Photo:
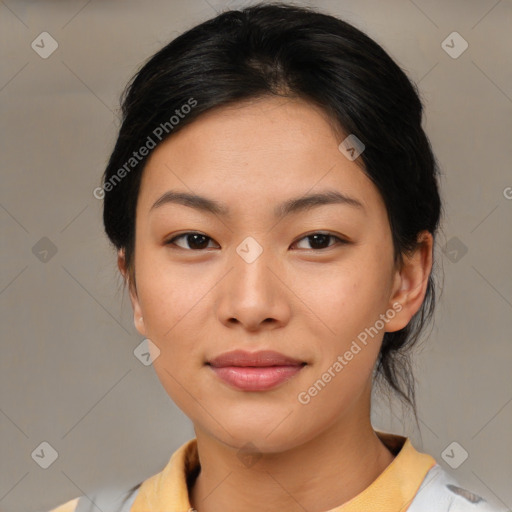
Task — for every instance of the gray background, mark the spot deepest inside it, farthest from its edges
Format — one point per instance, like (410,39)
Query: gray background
(68,375)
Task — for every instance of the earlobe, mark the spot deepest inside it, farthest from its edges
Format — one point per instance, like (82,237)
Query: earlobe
(410,285)
(138,319)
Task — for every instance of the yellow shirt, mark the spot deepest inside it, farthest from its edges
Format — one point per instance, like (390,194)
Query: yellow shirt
(392,490)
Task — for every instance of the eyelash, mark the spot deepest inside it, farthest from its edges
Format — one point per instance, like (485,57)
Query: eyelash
(340,241)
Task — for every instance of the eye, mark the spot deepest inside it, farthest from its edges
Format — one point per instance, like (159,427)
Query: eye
(319,241)
(195,241)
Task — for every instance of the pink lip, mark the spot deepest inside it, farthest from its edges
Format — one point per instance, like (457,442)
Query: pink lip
(257,371)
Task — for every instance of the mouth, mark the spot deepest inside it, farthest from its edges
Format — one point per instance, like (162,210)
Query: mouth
(256,371)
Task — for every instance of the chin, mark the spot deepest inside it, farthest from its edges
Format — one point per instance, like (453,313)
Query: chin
(251,433)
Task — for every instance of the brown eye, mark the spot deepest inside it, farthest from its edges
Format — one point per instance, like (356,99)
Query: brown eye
(195,241)
(319,241)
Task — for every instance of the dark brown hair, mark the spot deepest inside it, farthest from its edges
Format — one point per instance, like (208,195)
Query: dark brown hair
(278,49)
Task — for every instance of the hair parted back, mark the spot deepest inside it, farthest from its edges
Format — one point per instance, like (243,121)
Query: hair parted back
(295,52)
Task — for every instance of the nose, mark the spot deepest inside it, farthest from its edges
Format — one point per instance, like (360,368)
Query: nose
(253,295)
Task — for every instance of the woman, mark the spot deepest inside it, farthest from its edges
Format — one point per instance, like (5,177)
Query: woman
(273,200)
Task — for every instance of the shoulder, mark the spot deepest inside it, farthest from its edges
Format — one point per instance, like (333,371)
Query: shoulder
(112,499)
(441,492)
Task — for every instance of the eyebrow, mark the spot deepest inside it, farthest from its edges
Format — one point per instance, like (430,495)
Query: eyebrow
(291,206)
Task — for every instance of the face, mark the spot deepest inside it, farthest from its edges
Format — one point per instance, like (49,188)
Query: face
(251,270)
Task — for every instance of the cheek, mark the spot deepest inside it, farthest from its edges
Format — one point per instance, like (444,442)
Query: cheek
(168,294)
(178,385)
(347,305)
(169,303)
(344,299)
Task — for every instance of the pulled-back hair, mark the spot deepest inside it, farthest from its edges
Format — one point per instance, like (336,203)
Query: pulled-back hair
(295,52)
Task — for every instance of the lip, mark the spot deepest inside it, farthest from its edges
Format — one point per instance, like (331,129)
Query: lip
(255,371)
(260,359)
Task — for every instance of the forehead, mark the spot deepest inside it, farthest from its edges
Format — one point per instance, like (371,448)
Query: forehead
(257,153)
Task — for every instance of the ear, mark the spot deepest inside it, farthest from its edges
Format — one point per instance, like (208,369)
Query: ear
(138,319)
(410,283)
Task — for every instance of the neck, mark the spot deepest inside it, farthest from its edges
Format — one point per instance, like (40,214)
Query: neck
(316,476)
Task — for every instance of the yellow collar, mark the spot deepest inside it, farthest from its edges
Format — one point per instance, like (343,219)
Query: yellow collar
(392,490)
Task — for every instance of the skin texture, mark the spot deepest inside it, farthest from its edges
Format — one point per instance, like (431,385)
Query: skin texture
(307,303)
